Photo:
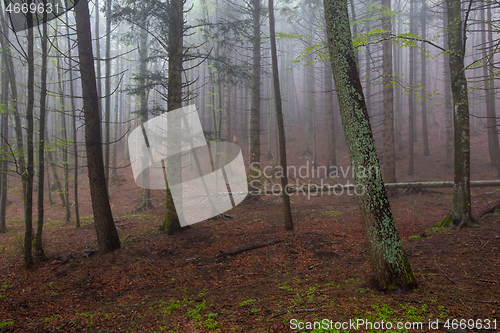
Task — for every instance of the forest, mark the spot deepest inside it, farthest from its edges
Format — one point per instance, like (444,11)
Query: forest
(249,166)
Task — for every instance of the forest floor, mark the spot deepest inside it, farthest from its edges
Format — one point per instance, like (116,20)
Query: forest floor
(321,270)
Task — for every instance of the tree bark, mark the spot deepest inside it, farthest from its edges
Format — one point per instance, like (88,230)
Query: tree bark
(389,169)
(489,77)
(107,92)
(255,108)
(287,211)
(144,110)
(411,97)
(107,236)
(330,117)
(171,223)
(460,214)
(388,257)
(4,143)
(448,99)
(423,59)
(73,109)
(39,253)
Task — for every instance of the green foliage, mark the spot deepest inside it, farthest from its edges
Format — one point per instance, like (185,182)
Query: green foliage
(249,302)
(4,323)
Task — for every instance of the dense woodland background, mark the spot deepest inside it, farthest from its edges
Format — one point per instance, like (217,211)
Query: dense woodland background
(428,71)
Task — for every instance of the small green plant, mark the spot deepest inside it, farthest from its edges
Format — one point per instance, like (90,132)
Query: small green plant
(50,319)
(4,323)
(414,237)
(286,287)
(364,290)
(310,294)
(87,315)
(248,302)
(254,310)
(5,286)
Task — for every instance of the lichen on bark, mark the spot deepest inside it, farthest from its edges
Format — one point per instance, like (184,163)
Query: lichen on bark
(388,257)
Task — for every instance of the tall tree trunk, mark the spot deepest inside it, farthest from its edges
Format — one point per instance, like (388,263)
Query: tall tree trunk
(448,99)
(287,211)
(98,55)
(330,118)
(28,173)
(64,134)
(9,66)
(4,143)
(107,236)
(73,109)
(489,77)
(423,60)
(39,253)
(460,213)
(399,101)
(411,96)
(389,169)
(144,110)
(171,223)
(388,257)
(354,31)
(107,91)
(255,108)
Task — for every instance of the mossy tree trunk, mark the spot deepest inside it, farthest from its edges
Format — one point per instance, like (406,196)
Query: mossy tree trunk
(460,214)
(388,257)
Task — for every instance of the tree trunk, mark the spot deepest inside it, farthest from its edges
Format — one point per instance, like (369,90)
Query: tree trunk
(171,223)
(98,56)
(107,92)
(330,118)
(389,261)
(489,77)
(39,253)
(73,109)
(411,96)
(389,169)
(107,236)
(448,99)
(64,134)
(287,211)
(4,143)
(28,173)
(423,59)
(399,100)
(144,110)
(255,108)
(460,213)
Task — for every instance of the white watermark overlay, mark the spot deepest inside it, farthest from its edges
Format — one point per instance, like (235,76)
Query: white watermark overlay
(259,180)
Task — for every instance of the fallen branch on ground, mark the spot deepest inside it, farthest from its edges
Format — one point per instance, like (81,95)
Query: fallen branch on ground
(250,247)
(488,210)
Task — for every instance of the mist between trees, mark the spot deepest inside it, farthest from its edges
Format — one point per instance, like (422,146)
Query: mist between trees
(374,86)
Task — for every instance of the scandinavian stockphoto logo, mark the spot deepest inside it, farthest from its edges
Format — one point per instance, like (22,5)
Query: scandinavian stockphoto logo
(205,179)
(38,10)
